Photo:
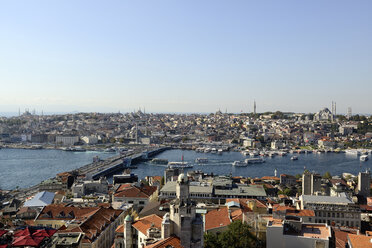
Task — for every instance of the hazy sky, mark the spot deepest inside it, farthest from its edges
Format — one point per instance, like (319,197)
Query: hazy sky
(185,56)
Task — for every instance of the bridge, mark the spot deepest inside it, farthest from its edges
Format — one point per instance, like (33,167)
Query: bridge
(122,163)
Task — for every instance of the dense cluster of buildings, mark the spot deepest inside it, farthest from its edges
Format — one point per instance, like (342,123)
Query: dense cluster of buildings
(276,130)
(181,208)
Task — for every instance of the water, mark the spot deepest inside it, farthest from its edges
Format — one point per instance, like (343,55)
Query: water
(336,164)
(24,168)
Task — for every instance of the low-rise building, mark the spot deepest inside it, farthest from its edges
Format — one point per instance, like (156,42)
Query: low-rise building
(294,234)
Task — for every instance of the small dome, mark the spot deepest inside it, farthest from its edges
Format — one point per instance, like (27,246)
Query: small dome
(128,218)
(182,177)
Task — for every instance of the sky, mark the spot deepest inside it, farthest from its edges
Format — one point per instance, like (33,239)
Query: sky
(185,56)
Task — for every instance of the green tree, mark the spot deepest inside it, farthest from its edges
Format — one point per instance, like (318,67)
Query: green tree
(237,235)
(327,175)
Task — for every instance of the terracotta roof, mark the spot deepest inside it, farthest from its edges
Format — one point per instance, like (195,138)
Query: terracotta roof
(56,212)
(172,241)
(237,215)
(93,220)
(304,212)
(120,229)
(136,192)
(217,218)
(360,241)
(145,223)
(270,178)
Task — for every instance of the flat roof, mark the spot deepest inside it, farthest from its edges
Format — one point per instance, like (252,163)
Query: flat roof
(325,199)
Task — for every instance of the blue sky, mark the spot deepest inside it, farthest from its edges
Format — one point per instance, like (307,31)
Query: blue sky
(185,56)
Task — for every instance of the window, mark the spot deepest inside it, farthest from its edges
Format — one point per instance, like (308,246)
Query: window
(329,215)
(333,215)
(141,202)
(130,201)
(338,215)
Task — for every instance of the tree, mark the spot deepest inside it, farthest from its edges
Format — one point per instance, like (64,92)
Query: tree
(237,235)
(327,175)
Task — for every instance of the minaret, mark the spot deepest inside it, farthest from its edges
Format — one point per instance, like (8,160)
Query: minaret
(254,107)
(128,231)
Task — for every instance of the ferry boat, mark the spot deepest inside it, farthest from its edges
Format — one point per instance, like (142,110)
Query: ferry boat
(74,149)
(159,161)
(363,158)
(352,152)
(294,158)
(254,161)
(109,150)
(180,165)
(239,164)
(201,160)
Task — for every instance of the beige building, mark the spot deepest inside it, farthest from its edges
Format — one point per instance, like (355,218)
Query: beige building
(340,210)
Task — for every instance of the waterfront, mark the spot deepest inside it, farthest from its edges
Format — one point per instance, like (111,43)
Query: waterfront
(24,168)
(335,163)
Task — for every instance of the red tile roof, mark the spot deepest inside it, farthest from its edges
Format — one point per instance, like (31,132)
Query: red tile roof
(135,192)
(145,223)
(217,218)
(60,212)
(360,241)
(172,241)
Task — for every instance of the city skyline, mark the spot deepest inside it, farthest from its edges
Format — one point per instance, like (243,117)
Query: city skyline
(169,56)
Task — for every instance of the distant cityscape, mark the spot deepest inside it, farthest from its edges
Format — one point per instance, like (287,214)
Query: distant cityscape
(185,207)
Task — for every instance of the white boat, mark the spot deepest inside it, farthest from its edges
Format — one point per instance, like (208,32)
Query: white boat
(352,152)
(239,164)
(180,165)
(253,153)
(294,158)
(214,150)
(254,161)
(363,158)
(245,153)
(219,152)
(201,160)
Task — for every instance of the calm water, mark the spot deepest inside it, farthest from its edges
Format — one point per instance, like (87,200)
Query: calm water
(336,164)
(25,168)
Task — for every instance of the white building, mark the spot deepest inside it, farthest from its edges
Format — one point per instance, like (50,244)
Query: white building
(295,233)
(67,140)
(88,187)
(90,140)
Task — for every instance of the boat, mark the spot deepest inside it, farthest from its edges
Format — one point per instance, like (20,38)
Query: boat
(180,165)
(219,152)
(254,161)
(282,154)
(159,161)
(363,158)
(109,150)
(239,164)
(253,154)
(201,160)
(245,153)
(214,150)
(352,152)
(74,149)
(294,158)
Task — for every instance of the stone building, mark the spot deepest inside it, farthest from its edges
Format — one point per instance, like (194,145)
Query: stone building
(340,210)
(311,183)
(181,226)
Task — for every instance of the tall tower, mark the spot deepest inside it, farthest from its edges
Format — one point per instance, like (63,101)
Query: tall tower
(364,180)
(254,107)
(128,231)
(310,183)
(349,113)
(187,225)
